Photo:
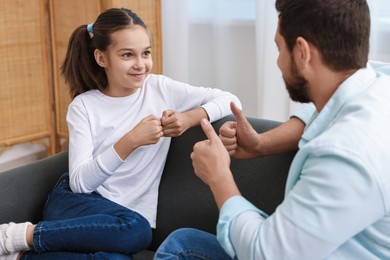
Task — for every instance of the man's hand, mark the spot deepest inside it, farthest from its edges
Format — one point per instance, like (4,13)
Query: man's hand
(239,138)
(211,164)
(209,157)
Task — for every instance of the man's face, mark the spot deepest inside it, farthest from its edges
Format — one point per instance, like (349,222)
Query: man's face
(296,84)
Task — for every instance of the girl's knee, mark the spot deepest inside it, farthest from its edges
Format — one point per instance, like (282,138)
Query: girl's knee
(138,235)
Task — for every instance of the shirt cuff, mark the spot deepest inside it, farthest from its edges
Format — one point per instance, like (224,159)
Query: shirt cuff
(306,113)
(229,211)
(109,161)
(213,111)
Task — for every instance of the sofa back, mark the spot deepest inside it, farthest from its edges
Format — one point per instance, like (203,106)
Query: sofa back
(184,200)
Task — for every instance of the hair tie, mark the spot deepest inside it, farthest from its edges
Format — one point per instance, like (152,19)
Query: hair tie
(90,28)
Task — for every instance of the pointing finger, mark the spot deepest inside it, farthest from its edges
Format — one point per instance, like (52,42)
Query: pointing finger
(208,130)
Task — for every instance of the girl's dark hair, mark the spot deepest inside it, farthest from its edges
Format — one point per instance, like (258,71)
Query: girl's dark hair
(80,70)
(340,29)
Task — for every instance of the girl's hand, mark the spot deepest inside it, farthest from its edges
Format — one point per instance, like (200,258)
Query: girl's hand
(148,131)
(174,123)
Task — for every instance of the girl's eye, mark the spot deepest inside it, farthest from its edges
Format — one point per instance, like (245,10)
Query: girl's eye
(147,53)
(127,55)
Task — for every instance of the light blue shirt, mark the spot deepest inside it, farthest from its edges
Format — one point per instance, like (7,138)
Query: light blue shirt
(337,198)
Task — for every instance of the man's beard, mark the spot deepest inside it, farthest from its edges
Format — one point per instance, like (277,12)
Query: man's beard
(296,85)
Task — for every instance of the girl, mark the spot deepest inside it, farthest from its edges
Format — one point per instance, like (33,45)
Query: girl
(120,121)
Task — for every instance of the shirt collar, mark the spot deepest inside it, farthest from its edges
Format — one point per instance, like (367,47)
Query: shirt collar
(353,85)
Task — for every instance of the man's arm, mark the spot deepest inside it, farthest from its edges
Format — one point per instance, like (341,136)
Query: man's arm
(243,142)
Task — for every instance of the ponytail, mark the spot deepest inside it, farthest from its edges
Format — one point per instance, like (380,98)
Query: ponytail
(80,70)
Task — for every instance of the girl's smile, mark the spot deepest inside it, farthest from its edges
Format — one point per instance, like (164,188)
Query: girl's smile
(139,75)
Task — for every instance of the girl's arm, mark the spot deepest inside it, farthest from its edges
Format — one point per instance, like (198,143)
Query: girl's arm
(175,123)
(189,104)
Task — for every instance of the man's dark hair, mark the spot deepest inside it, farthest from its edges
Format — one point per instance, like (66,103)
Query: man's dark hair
(340,29)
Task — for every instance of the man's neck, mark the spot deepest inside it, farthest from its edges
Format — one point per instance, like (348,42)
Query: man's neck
(324,84)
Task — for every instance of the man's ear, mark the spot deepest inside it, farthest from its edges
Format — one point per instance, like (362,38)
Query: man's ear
(100,58)
(302,52)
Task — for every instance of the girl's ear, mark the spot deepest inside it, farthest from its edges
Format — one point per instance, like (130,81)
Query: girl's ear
(100,58)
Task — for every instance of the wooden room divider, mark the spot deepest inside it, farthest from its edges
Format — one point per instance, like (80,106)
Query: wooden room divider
(33,42)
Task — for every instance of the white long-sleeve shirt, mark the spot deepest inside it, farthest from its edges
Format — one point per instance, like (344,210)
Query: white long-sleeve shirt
(96,122)
(337,199)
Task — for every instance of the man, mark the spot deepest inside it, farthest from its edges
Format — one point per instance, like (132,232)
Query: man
(337,199)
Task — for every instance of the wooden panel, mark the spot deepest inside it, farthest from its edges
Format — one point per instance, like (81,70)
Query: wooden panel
(66,15)
(25,97)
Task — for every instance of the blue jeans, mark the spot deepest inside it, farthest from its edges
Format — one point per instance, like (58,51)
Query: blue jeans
(87,226)
(190,244)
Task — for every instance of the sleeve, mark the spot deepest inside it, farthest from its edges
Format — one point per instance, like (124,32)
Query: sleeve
(186,97)
(229,212)
(313,220)
(85,172)
(305,113)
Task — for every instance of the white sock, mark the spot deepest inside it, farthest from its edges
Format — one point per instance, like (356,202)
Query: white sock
(3,237)
(13,256)
(13,238)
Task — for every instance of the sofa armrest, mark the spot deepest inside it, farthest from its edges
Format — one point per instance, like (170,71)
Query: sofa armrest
(24,190)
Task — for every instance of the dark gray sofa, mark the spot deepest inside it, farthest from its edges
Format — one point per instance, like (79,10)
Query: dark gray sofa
(184,200)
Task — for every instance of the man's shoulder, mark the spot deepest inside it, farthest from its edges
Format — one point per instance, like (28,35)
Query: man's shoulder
(380,67)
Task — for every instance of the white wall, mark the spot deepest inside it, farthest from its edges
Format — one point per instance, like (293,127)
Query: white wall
(232,46)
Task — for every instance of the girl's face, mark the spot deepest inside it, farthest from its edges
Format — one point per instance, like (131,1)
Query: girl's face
(127,61)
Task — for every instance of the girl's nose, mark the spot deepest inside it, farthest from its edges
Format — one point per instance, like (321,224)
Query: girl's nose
(138,64)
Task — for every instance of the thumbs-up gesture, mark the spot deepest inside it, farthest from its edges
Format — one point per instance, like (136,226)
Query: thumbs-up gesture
(239,138)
